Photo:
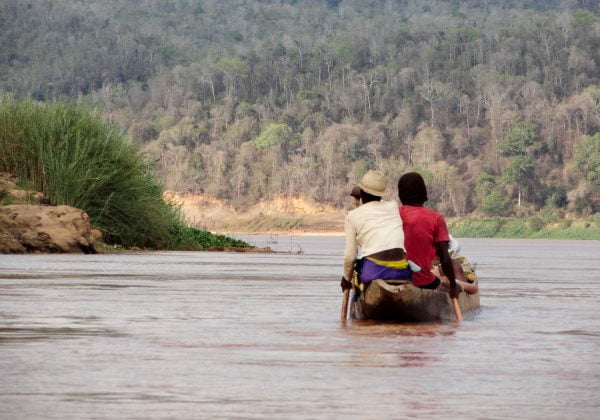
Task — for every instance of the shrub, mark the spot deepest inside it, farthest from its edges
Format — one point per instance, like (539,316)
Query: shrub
(587,158)
(75,158)
(495,204)
(557,197)
(536,223)
(566,223)
(187,238)
(514,228)
(274,134)
(550,215)
(521,136)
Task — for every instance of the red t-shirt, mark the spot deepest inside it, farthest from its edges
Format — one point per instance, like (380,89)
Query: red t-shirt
(423,227)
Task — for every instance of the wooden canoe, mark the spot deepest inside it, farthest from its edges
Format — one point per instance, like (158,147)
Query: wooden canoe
(405,302)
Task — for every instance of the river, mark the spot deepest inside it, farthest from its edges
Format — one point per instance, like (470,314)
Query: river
(242,335)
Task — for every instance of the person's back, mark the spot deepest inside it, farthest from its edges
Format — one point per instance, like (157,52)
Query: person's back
(425,232)
(423,227)
(376,228)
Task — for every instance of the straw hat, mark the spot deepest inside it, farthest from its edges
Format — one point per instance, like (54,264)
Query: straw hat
(374,183)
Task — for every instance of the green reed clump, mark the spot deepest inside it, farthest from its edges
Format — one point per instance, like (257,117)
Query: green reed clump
(76,158)
(187,238)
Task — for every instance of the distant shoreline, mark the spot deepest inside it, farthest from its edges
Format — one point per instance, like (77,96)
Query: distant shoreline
(500,228)
(299,216)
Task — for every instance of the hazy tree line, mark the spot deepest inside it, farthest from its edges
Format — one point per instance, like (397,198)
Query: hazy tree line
(496,102)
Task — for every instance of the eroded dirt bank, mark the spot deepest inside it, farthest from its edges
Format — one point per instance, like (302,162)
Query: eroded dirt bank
(29,224)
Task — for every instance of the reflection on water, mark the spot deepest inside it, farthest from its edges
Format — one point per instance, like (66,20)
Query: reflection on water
(189,335)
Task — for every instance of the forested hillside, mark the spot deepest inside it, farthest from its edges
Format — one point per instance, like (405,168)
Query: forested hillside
(496,102)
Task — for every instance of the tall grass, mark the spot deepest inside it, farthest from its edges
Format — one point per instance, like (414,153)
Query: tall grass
(76,158)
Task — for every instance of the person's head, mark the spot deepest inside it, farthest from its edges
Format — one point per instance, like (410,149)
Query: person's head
(355,193)
(412,189)
(372,186)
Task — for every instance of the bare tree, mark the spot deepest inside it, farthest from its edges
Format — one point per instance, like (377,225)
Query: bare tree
(433,91)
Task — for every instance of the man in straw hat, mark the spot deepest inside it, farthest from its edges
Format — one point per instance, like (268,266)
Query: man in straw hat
(376,228)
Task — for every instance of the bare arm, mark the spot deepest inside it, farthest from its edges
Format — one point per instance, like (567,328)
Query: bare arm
(350,251)
(441,249)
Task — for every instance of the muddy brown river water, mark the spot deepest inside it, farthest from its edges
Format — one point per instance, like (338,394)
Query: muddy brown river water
(226,335)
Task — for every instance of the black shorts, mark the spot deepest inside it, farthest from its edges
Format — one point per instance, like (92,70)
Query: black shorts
(433,285)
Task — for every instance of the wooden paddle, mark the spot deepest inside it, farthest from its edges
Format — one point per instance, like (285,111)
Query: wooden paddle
(345,299)
(456,309)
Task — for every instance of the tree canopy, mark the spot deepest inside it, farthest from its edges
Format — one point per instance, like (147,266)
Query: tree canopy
(246,100)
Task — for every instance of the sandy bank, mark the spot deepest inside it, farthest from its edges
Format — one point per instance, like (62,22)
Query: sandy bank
(278,216)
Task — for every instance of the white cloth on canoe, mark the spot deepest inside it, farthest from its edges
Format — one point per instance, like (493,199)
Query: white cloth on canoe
(374,227)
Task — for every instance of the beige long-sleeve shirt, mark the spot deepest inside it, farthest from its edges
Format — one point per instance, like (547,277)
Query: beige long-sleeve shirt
(372,227)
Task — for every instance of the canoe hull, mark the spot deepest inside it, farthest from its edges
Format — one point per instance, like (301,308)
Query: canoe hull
(408,303)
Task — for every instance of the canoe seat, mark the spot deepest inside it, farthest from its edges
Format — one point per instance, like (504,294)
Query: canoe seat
(397,282)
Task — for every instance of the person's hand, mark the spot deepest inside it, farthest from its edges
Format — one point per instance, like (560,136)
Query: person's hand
(345,284)
(454,290)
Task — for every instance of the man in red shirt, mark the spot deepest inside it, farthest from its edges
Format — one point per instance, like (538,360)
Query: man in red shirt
(425,234)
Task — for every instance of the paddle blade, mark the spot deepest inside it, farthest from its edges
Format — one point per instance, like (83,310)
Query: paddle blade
(345,299)
(456,309)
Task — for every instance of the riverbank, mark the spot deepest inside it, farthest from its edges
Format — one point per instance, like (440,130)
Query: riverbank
(66,172)
(298,216)
(28,223)
(526,228)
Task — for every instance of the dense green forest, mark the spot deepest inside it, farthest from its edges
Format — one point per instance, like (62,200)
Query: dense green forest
(496,102)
